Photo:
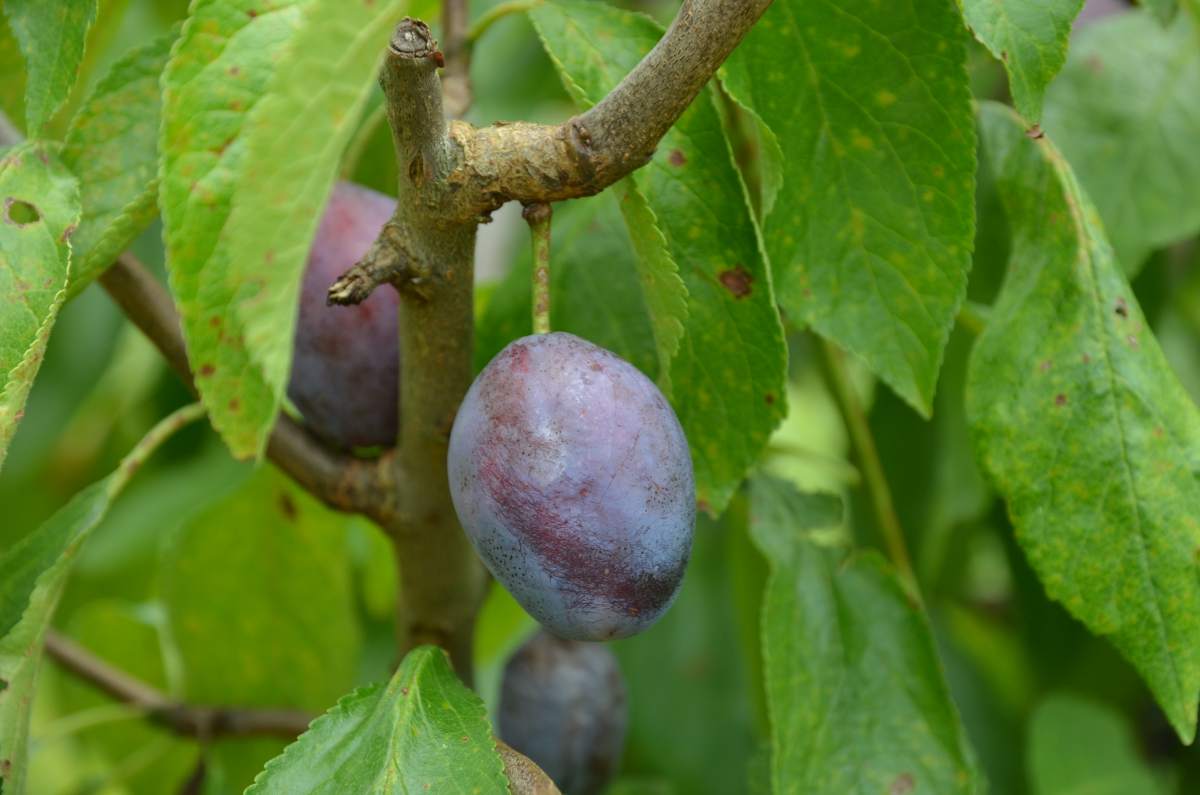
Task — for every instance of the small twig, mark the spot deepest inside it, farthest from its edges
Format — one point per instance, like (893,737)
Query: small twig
(387,262)
(456,80)
(495,14)
(203,722)
(538,218)
(973,317)
(878,491)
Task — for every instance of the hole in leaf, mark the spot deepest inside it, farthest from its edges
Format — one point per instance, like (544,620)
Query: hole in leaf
(21,212)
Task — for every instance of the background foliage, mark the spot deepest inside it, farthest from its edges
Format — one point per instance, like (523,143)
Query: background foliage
(1000,229)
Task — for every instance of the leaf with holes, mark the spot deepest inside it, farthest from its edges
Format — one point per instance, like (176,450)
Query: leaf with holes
(421,732)
(728,375)
(1030,38)
(1085,430)
(112,147)
(855,691)
(870,233)
(40,209)
(33,573)
(51,34)
(1125,115)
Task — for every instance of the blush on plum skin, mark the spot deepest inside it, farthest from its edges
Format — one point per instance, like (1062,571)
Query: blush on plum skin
(563,705)
(345,365)
(571,476)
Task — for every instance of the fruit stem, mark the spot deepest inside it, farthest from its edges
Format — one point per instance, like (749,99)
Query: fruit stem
(878,491)
(538,217)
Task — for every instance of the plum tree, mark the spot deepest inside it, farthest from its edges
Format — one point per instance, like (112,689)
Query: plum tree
(345,366)
(571,475)
(563,704)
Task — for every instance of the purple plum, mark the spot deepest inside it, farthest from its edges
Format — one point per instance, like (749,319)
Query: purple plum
(571,476)
(346,363)
(563,705)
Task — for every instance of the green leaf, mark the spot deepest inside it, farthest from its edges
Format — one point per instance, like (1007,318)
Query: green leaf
(39,206)
(128,637)
(855,690)
(870,233)
(277,201)
(1124,114)
(32,576)
(692,665)
(112,147)
(1084,429)
(51,34)
(219,69)
(662,289)
(258,594)
(728,376)
(422,732)
(1030,38)
(1077,747)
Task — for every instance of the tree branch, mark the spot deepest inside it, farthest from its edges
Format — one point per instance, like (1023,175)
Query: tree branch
(203,722)
(456,79)
(441,579)
(341,481)
(534,163)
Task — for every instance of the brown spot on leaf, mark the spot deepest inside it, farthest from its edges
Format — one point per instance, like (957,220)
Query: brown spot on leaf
(677,158)
(206,370)
(235,404)
(288,506)
(1004,55)
(1044,366)
(1035,132)
(1121,308)
(702,505)
(251,13)
(1133,341)
(1158,432)
(1060,399)
(1087,359)
(234,71)
(66,235)
(215,321)
(737,280)
(902,785)
(769,398)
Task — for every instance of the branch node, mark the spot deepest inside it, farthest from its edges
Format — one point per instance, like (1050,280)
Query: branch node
(412,39)
(387,262)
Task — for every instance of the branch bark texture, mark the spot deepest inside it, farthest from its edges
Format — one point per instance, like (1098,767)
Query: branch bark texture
(203,722)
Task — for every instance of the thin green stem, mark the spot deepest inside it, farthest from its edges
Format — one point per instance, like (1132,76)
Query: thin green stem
(878,491)
(538,217)
(973,317)
(496,13)
(165,428)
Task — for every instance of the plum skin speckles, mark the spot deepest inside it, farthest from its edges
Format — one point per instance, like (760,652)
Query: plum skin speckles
(571,476)
(563,705)
(345,375)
